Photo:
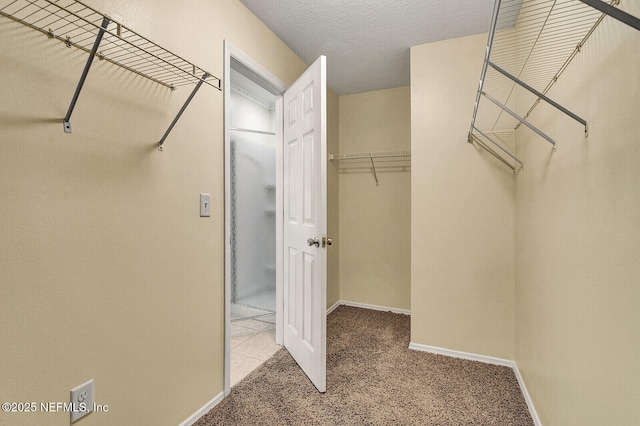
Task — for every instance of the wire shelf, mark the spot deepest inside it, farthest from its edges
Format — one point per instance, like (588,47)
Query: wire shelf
(380,156)
(531,43)
(396,160)
(534,41)
(77,25)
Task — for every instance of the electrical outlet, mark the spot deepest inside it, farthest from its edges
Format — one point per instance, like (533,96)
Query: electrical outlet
(205,205)
(81,400)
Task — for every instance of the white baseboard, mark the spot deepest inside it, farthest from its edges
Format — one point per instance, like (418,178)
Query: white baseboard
(204,410)
(527,397)
(367,306)
(333,307)
(487,360)
(464,355)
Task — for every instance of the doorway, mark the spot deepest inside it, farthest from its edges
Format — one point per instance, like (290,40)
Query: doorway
(253,105)
(252,178)
(252,186)
(262,117)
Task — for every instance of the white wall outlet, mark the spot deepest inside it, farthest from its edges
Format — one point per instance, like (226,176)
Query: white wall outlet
(205,205)
(81,400)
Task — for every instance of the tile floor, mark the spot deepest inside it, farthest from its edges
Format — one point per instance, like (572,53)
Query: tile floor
(252,343)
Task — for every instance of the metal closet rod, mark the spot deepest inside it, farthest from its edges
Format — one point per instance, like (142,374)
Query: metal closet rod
(473,137)
(480,143)
(260,132)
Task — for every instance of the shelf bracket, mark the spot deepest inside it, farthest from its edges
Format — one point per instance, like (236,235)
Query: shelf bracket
(614,12)
(540,95)
(85,72)
(175,120)
(373,164)
(520,119)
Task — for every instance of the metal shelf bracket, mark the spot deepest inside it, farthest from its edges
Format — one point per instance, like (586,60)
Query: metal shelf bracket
(520,119)
(80,26)
(85,72)
(175,120)
(541,96)
(373,164)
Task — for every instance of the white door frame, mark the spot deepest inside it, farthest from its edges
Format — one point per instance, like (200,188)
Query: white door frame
(276,85)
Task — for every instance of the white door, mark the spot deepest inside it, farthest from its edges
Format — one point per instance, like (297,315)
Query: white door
(305,223)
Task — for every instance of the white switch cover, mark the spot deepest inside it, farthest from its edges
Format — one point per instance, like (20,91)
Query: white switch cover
(81,400)
(205,205)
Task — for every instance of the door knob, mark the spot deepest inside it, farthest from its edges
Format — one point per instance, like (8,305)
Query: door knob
(313,242)
(326,241)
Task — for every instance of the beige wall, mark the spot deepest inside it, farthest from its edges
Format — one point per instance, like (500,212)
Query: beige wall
(375,226)
(106,269)
(333,200)
(462,210)
(577,240)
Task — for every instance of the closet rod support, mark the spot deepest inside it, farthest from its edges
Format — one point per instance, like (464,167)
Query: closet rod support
(373,164)
(520,119)
(85,72)
(539,95)
(175,120)
(614,12)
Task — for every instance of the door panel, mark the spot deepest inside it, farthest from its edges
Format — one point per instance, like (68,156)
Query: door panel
(305,206)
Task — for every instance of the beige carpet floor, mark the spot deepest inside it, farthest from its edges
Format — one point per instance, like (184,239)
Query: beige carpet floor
(374,379)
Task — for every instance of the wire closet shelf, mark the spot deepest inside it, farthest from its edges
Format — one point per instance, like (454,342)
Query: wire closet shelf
(531,43)
(77,25)
(380,155)
(402,157)
(80,26)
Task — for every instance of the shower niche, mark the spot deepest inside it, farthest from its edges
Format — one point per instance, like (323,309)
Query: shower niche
(252,174)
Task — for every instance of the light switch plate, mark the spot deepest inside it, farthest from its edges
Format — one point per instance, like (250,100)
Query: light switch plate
(205,205)
(81,400)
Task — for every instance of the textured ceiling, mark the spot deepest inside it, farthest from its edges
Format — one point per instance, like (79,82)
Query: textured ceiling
(367,42)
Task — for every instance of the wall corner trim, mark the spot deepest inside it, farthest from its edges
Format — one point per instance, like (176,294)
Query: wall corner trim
(203,410)
(487,360)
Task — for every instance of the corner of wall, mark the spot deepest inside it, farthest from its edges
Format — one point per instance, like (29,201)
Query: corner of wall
(462,213)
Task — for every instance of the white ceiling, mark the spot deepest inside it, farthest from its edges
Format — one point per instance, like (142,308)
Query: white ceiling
(367,42)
